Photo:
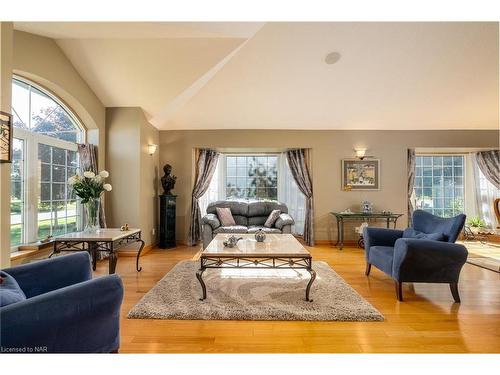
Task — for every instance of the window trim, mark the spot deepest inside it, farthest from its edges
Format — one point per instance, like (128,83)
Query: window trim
(223,170)
(30,173)
(464,168)
(83,131)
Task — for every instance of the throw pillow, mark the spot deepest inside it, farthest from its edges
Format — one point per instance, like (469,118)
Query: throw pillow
(10,291)
(412,233)
(225,217)
(271,219)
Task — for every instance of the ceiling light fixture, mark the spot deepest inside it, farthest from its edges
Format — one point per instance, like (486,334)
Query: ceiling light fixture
(332,58)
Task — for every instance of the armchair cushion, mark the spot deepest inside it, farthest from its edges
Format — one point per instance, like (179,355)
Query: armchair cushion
(283,219)
(428,223)
(271,219)
(412,233)
(10,292)
(212,220)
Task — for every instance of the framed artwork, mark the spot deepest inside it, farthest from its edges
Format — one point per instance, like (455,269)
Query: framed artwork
(360,174)
(5,137)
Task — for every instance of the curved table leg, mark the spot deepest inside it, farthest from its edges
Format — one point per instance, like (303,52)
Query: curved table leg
(138,255)
(199,275)
(308,288)
(338,232)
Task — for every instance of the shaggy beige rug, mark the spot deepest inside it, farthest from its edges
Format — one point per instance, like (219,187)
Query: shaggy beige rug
(253,294)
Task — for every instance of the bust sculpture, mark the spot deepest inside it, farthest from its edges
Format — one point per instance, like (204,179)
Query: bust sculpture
(168,181)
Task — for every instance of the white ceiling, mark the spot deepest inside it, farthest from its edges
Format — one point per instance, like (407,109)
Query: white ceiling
(139,30)
(238,75)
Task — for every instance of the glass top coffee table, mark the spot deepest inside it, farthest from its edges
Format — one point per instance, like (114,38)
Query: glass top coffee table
(277,251)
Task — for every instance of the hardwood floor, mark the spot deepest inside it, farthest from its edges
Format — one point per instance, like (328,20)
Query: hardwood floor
(427,322)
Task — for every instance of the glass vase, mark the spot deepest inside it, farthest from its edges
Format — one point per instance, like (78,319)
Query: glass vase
(92,209)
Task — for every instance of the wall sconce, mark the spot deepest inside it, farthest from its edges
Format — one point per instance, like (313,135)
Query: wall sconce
(360,153)
(152,149)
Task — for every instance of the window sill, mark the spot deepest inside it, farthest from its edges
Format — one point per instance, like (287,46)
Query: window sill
(25,251)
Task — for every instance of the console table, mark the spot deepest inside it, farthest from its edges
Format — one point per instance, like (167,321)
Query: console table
(340,217)
(107,240)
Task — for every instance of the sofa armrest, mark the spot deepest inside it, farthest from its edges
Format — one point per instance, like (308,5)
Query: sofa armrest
(84,317)
(50,274)
(421,260)
(284,219)
(212,220)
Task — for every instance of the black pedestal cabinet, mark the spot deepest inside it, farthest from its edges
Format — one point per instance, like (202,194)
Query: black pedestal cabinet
(167,221)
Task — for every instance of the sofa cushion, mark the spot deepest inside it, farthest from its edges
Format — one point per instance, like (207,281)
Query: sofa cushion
(231,229)
(10,291)
(255,228)
(271,219)
(237,207)
(265,207)
(412,233)
(225,216)
(381,257)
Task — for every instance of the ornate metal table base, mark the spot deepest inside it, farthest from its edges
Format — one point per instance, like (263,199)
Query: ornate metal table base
(340,217)
(262,262)
(93,247)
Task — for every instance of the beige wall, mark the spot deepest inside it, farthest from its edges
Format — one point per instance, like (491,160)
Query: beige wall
(328,148)
(41,60)
(149,172)
(6,32)
(133,172)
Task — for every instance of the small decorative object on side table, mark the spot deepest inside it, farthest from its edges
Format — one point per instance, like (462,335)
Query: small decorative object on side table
(89,188)
(366,207)
(260,236)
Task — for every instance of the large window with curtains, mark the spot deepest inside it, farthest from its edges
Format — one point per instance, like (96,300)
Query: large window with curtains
(256,176)
(46,133)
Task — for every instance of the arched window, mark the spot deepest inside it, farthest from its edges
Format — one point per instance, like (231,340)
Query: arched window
(44,157)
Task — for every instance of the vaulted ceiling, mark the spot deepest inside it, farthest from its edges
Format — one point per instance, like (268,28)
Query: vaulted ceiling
(274,75)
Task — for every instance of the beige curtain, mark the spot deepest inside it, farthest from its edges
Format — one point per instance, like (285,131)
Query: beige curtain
(489,163)
(206,162)
(299,162)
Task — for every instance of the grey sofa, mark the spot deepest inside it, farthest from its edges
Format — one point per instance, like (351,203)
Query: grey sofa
(249,216)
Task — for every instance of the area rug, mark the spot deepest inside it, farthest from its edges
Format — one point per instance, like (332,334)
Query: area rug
(253,294)
(485,255)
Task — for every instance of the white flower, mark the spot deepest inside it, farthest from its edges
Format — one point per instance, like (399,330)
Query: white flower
(97,179)
(107,187)
(72,180)
(104,174)
(88,174)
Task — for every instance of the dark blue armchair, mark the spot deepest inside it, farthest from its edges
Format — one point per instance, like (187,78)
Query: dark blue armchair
(65,310)
(426,253)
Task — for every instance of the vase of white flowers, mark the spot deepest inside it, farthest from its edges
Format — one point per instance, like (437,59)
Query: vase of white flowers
(89,188)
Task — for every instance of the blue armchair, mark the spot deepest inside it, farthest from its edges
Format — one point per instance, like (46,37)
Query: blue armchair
(425,253)
(65,310)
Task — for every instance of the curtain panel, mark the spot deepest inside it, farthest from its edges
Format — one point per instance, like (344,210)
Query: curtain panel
(489,163)
(206,163)
(411,161)
(299,163)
